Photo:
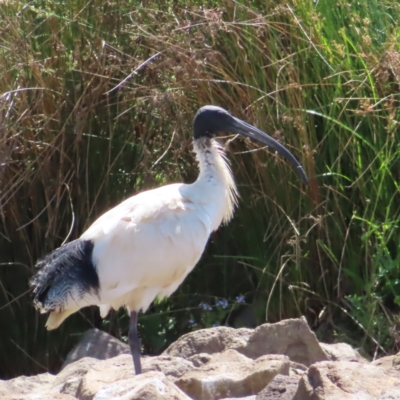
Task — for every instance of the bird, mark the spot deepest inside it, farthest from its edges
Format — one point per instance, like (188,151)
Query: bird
(145,247)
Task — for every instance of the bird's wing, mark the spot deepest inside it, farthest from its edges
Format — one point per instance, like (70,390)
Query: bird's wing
(151,240)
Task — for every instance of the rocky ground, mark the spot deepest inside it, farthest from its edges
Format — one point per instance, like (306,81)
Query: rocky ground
(282,361)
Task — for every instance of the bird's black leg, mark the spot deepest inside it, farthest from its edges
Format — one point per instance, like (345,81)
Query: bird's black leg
(134,343)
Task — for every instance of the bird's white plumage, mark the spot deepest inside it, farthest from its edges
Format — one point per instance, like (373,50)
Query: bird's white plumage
(146,246)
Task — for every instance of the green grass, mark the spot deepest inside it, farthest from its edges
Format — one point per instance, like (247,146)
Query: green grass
(76,139)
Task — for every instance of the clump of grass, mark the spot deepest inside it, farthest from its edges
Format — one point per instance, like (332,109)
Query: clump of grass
(96,105)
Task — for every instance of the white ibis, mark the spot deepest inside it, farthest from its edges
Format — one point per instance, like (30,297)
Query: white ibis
(148,244)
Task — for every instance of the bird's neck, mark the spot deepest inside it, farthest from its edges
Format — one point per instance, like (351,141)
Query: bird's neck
(215,181)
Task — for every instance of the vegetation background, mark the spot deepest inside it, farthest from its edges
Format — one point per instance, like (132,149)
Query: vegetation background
(97,99)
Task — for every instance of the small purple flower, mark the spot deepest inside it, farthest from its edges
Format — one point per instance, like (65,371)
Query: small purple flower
(205,306)
(222,303)
(192,321)
(215,325)
(240,299)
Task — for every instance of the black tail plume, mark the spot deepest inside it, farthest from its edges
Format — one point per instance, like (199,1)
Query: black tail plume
(67,271)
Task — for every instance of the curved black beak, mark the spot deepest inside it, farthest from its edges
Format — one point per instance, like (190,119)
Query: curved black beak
(245,129)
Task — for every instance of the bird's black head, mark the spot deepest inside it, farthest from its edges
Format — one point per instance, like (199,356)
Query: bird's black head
(210,120)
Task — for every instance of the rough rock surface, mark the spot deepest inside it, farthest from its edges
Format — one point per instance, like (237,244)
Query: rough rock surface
(231,374)
(120,368)
(96,344)
(347,380)
(209,341)
(148,386)
(290,337)
(241,398)
(68,380)
(342,352)
(282,387)
(24,385)
(388,362)
(281,361)
(40,396)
